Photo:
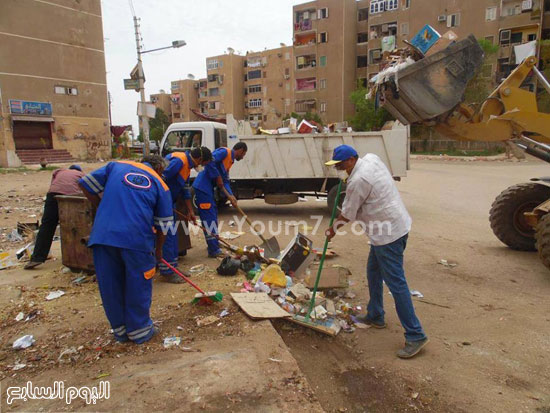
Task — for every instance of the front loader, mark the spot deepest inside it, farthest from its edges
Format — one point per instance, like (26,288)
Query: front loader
(430,91)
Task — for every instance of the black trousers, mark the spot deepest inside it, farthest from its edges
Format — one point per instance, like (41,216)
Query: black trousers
(50,219)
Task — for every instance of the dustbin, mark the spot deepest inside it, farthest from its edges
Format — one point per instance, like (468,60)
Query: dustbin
(75,222)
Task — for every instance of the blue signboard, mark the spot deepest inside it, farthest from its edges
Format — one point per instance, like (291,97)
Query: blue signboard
(24,107)
(425,38)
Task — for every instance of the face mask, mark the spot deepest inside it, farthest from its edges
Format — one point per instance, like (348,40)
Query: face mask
(342,174)
(199,168)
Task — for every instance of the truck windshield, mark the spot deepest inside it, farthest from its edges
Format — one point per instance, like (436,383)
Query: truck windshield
(220,138)
(182,140)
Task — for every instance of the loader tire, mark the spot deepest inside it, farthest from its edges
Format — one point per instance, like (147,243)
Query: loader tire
(542,235)
(506,215)
(331,197)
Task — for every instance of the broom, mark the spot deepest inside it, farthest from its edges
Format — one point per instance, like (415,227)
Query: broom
(307,321)
(203,298)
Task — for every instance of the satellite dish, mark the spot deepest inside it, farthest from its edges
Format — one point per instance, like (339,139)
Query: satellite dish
(282,44)
(162,91)
(191,76)
(230,50)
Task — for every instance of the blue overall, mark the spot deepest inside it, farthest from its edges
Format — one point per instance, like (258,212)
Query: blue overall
(204,184)
(176,176)
(135,199)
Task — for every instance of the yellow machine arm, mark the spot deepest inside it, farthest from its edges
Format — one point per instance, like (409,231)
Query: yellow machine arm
(508,113)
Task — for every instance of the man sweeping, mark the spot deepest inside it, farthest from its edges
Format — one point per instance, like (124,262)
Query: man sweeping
(128,225)
(373,199)
(177,175)
(64,182)
(216,173)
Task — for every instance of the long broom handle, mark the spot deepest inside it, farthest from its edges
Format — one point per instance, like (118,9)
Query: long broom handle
(227,244)
(321,263)
(183,276)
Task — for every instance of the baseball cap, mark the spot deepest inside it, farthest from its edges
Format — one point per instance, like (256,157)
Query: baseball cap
(341,153)
(77,167)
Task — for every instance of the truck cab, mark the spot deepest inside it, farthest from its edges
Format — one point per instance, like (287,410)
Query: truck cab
(183,136)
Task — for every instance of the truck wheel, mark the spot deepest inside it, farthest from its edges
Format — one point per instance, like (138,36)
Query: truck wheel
(506,215)
(331,197)
(542,235)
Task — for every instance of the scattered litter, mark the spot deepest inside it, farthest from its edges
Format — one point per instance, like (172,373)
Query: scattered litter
(67,352)
(275,360)
(204,321)
(260,287)
(20,317)
(189,350)
(258,305)
(19,366)
(32,315)
(102,375)
(81,280)
(361,325)
(26,250)
(231,223)
(24,342)
(447,263)
(350,295)
(180,328)
(229,235)
(229,266)
(65,270)
(14,236)
(274,275)
(197,269)
(8,260)
(55,295)
(171,342)
(224,313)
(416,293)
(415,395)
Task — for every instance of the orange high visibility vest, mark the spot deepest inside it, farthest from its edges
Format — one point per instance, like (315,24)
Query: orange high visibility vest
(228,160)
(185,170)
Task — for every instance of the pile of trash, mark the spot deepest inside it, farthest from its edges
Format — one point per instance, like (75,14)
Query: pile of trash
(25,232)
(426,43)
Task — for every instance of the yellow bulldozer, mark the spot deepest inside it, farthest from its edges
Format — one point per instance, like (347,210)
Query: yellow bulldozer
(430,91)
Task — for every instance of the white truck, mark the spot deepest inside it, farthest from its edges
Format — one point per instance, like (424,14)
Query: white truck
(280,168)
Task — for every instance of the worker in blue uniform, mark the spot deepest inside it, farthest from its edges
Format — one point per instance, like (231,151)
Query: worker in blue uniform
(216,173)
(130,217)
(176,175)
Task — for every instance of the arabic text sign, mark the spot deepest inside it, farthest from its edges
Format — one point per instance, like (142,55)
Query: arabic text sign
(24,107)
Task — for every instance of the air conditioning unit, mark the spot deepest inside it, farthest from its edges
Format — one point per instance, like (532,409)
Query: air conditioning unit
(376,54)
(246,105)
(442,18)
(196,86)
(505,36)
(287,77)
(526,5)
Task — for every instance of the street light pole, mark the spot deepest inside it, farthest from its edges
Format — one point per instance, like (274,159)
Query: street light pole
(143,117)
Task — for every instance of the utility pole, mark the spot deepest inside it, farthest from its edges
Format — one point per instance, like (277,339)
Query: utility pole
(143,117)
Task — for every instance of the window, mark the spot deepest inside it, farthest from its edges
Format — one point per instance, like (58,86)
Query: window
(391,5)
(180,141)
(404,29)
(362,15)
(362,61)
(362,37)
(214,91)
(323,61)
(322,13)
(265,75)
(531,37)
(323,37)
(220,138)
(254,89)
(212,64)
(406,4)
(306,61)
(374,56)
(490,39)
(453,20)
(487,70)
(322,84)
(305,84)
(516,38)
(505,36)
(323,106)
(377,6)
(174,85)
(287,56)
(490,14)
(255,74)
(66,90)
(255,103)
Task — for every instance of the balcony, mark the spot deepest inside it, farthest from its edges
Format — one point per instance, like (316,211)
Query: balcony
(520,20)
(375,43)
(303,26)
(305,105)
(307,84)
(305,39)
(306,62)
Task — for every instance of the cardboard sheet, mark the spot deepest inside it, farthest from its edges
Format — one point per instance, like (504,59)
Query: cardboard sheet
(258,306)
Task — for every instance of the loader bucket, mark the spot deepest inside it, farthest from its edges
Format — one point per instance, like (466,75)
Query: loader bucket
(434,85)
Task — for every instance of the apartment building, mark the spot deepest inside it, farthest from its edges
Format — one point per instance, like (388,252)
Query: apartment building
(162,101)
(53,89)
(184,96)
(324,33)
(225,85)
(269,86)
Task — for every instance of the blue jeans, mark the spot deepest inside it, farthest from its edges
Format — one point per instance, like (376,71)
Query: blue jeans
(385,263)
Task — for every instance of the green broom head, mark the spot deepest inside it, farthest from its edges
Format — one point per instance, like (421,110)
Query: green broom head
(207,298)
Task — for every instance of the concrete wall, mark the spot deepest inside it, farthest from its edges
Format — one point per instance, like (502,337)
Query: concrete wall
(43,45)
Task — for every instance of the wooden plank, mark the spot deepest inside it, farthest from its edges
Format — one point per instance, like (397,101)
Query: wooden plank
(258,306)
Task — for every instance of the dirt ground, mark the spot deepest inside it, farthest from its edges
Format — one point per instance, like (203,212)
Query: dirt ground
(488,318)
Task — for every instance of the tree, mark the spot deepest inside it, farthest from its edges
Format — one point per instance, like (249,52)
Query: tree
(367,117)
(158,125)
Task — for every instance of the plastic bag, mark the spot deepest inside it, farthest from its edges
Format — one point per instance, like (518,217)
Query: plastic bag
(274,275)
(229,266)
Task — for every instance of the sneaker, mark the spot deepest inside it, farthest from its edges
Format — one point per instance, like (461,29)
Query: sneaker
(32,264)
(218,254)
(172,279)
(376,324)
(412,348)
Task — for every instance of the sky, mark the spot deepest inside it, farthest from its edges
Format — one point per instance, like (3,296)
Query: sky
(208,26)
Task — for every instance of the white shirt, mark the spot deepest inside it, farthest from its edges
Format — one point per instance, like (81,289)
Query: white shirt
(373,200)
